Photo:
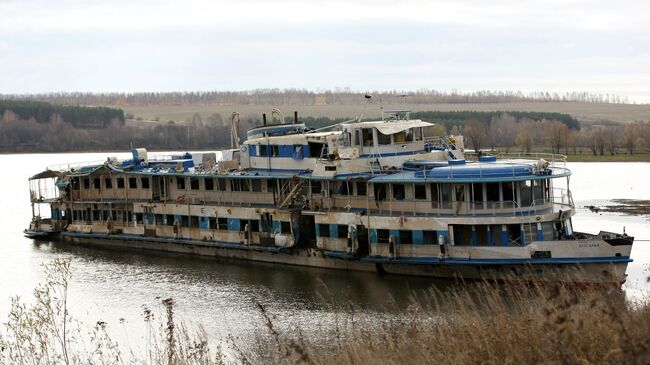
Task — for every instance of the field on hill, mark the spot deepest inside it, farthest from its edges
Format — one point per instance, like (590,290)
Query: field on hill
(584,112)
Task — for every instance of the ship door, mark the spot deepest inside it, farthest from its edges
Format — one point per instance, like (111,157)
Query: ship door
(362,240)
(156,184)
(266,227)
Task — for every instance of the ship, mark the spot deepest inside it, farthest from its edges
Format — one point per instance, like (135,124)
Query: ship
(380,196)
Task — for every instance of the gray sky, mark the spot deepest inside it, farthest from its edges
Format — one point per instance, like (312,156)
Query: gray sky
(120,45)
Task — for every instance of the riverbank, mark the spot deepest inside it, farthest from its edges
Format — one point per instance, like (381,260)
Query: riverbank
(474,323)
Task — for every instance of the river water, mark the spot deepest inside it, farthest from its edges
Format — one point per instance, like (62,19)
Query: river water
(113,286)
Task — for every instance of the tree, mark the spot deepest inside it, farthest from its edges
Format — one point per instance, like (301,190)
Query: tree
(476,134)
(503,131)
(631,133)
(524,139)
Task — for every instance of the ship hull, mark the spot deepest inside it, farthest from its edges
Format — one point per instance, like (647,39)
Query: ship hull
(592,273)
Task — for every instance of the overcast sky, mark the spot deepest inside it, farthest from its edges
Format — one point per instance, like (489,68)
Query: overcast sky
(127,45)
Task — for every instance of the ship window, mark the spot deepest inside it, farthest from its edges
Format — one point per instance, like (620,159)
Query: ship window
(222,224)
(361,188)
(221,184)
(380,192)
(75,183)
(244,185)
(429,237)
(383,139)
(145,182)
(133,183)
(194,183)
(139,218)
(108,183)
(120,183)
(445,193)
(405,237)
(209,184)
(180,183)
(256,185)
(420,192)
(418,134)
(460,192)
(343,231)
(435,195)
(492,192)
(270,185)
(538,191)
(383,235)
(323,230)
(367,136)
(194,222)
(275,150)
(508,193)
(343,188)
(263,150)
(398,191)
(526,193)
(316,187)
(96,216)
(235,185)
(86,183)
(315,149)
(96,182)
(462,235)
(477,192)
(285,227)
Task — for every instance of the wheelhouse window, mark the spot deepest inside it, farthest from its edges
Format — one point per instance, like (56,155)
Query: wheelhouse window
(96,183)
(180,183)
(343,188)
(367,137)
(133,183)
(383,139)
(145,182)
(86,183)
(108,183)
(316,187)
(256,185)
(120,183)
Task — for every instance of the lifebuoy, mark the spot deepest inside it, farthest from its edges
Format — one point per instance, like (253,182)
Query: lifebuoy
(180,198)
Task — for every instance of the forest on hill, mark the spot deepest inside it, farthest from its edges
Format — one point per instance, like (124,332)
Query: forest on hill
(35,126)
(77,116)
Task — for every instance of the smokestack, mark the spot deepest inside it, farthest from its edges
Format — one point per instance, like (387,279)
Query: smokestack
(295,117)
(264,119)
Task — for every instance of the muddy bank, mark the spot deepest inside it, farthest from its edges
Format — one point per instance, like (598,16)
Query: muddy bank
(625,206)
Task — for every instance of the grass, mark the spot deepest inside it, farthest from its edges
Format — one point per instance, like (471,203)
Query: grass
(580,111)
(481,323)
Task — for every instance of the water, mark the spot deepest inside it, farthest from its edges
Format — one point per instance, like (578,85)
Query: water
(113,286)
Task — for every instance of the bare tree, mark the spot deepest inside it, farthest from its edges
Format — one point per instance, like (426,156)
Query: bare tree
(476,134)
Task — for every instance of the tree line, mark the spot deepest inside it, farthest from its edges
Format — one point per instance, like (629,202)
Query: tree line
(342,96)
(508,131)
(77,116)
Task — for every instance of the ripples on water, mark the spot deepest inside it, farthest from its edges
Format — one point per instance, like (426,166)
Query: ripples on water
(110,285)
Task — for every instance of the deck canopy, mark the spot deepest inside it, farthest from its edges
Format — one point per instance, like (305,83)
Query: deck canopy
(47,174)
(392,127)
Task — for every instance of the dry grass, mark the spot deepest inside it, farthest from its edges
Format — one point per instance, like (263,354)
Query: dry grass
(480,323)
(486,324)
